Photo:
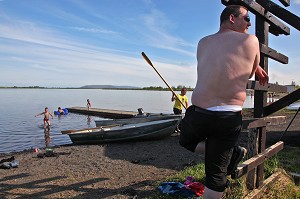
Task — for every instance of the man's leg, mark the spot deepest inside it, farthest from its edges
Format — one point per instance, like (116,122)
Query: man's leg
(217,158)
(237,155)
(211,194)
(200,148)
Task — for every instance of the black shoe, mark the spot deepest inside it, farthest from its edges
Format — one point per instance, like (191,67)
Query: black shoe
(237,155)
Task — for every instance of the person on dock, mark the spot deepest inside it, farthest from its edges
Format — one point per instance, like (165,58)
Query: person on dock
(47,115)
(177,108)
(212,124)
(88,104)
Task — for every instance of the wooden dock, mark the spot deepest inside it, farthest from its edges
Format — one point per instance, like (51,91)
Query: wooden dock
(107,113)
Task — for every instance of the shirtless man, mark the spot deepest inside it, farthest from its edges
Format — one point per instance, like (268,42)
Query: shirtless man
(226,60)
(47,115)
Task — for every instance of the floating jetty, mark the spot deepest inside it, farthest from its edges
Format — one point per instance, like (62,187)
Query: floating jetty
(107,113)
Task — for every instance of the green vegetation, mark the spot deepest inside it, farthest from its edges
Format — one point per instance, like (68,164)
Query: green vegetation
(21,87)
(159,88)
(286,160)
(289,159)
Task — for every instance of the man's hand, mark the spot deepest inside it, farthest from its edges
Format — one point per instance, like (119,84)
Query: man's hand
(262,75)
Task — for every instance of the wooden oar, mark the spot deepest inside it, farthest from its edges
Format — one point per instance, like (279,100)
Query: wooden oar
(150,63)
(96,128)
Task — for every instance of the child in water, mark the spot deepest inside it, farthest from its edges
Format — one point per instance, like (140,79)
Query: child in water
(88,104)
(47,115)
(60,111)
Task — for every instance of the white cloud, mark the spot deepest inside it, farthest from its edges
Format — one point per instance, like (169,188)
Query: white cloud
(297,1)
(93,30)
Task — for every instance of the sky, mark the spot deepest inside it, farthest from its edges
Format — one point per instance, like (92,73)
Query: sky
(72,43)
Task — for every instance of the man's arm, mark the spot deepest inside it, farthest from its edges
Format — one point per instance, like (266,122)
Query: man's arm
(39,114)
(173,98)
(257,69)
(257,56)
(262,75)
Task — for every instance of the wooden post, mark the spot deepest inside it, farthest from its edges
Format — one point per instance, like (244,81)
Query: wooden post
(260,97)
(252,151)
(261,148)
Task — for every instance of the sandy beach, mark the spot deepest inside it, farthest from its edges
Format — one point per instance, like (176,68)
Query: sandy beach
(96,171)
(119,170)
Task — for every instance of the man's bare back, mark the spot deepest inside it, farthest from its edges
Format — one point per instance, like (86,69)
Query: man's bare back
(224,56)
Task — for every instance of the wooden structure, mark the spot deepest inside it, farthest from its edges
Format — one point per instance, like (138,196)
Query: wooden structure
(107,113)
(268,16)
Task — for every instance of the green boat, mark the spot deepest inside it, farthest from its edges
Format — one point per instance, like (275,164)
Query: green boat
(141,131)
(137,119)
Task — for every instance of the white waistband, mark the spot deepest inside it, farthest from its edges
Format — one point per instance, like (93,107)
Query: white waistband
(233,108)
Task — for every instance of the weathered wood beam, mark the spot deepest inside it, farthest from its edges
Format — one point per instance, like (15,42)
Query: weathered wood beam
(282,13)
(273,54)
(282,102)
(256,160)
(266,121)
(256,86)
(268,87)
(250,123)
(285,2)
(276,26)
(257,193)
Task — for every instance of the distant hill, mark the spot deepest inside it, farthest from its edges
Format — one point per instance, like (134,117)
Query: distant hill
(108,87)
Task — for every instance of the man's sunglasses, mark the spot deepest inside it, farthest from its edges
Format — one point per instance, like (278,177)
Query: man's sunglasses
(247,18)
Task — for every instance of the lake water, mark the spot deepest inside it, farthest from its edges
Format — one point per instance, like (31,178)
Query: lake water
(20,130)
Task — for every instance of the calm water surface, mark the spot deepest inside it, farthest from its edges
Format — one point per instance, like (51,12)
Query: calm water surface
(20,130)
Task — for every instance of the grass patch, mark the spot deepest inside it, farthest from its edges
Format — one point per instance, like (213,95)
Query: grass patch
(270,166)
(287,159)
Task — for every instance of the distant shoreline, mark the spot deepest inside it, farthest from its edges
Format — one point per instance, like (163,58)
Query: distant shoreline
(102,88)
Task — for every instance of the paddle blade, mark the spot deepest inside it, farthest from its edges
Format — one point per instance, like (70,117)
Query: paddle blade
(147,59)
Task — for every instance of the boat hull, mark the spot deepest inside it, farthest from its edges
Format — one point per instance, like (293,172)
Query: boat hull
(140,119)
(130,132)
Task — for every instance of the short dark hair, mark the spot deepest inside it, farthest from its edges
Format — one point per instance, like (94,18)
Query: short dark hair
(231,9)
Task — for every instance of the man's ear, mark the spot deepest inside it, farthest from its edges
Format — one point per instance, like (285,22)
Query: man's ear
(231,18)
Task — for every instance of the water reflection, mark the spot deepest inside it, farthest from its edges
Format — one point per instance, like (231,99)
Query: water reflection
(47,136)
(88,120)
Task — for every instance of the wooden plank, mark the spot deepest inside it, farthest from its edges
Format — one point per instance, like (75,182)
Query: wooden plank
(257,193)
(285,2)
(273,54)
(107,113)
(268,87)
(256,86)
(282,13)
(282,102)
(258,10)
(251,123)
(258,159)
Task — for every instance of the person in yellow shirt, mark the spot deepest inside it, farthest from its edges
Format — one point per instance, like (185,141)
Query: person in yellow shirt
(177,109)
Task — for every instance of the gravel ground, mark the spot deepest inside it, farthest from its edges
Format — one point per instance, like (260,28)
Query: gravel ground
(119,170)
(96,171)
